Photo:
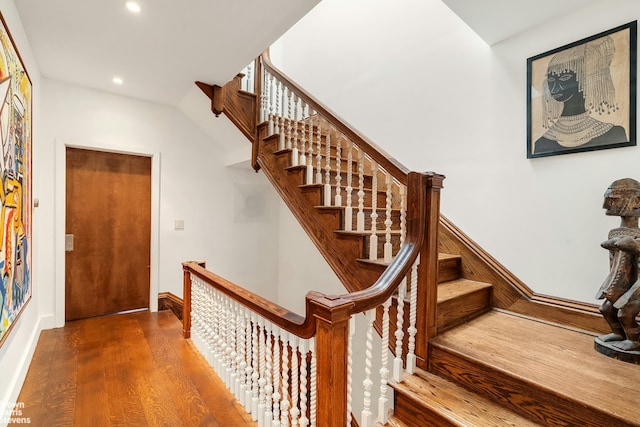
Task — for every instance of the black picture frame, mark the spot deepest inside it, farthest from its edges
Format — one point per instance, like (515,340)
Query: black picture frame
(599,70)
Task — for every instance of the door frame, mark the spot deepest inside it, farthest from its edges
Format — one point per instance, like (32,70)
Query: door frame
(60,191)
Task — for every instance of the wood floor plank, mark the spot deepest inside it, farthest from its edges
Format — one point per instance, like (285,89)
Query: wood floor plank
(127,409)
(40,368)
(225,408)
(59,408)
(184,394)
(91,397)
(128,370)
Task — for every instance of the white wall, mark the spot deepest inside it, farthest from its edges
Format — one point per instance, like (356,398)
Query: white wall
(416,80)
(195,186)
(301,267)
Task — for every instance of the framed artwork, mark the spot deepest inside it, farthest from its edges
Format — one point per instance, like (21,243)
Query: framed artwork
(582,96)
(15,194)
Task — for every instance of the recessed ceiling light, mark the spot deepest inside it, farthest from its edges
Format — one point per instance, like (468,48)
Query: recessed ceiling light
(117,80)
(133,6)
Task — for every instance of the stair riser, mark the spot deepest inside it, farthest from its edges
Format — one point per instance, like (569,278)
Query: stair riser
(525,398)
(456,311)
(449,269)
(395,245)
(395,219)
(411,414)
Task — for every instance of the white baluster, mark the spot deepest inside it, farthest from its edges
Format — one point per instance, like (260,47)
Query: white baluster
(303,137)
(263,367)
(268,387)
(327,169)
(242,355)
(283,121)
(240,359)
(413,303)
(263,96)
(295,377)
(319,153)
(233,354)
(388,247)
(294,151)
(231,350)
(249,87)
(285,402)
(248,392)
(403,213)
(399,334)
(352,331)
(367,416)
(277,373)
(309,170)
(304,421)
(218,339)
(360,215)
(279,115)
(271,125)
(289,144)
(312,379)
(348,211)
(373,239)
(338,201)
(383,400)
(255,376)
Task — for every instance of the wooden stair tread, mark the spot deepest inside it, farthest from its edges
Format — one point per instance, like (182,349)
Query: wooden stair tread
(551,359)
(457,405)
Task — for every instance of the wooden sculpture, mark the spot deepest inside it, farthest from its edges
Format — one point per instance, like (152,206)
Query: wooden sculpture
(621,288)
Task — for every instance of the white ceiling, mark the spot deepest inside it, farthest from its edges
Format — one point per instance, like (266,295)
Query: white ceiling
(160,52)
(497,20)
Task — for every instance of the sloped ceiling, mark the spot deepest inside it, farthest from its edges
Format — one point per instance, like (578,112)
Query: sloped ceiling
(497,20)
(159,52)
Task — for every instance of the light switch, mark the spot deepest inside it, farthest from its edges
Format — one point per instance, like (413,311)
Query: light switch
(178,224)
(68,242)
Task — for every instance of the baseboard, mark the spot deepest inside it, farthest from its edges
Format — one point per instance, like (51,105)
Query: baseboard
(15,383)
(168,301)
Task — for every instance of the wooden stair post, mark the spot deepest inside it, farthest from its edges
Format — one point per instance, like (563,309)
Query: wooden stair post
(428,270)
(332,333)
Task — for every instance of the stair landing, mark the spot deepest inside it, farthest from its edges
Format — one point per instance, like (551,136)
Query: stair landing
(546,372)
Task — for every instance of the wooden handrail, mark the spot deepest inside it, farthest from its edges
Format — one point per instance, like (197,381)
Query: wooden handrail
(384,159)
(366,299)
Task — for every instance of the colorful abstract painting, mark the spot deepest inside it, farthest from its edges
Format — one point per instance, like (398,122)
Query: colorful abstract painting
(15,194)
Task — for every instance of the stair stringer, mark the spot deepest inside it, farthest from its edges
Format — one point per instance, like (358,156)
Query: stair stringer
(320,225)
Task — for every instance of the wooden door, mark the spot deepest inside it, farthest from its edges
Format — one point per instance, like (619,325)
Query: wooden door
(108,233)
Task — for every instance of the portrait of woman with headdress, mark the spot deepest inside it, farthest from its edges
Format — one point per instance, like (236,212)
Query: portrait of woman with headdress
(578,109)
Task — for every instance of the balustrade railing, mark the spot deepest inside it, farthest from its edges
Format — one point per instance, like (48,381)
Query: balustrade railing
(293,370)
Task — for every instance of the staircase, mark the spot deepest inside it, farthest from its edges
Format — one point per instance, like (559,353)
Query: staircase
(502,355)
(507,369)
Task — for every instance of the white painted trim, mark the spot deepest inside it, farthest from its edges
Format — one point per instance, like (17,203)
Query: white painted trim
(60,220)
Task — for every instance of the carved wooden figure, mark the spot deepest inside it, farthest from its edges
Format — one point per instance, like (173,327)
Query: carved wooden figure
(621,288)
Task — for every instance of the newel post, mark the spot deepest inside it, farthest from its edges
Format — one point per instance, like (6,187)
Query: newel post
(257,86)
(186,297)
(428,269)
(332,316)
(186,301)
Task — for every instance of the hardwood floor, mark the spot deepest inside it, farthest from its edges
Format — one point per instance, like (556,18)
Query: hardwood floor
(126,370)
